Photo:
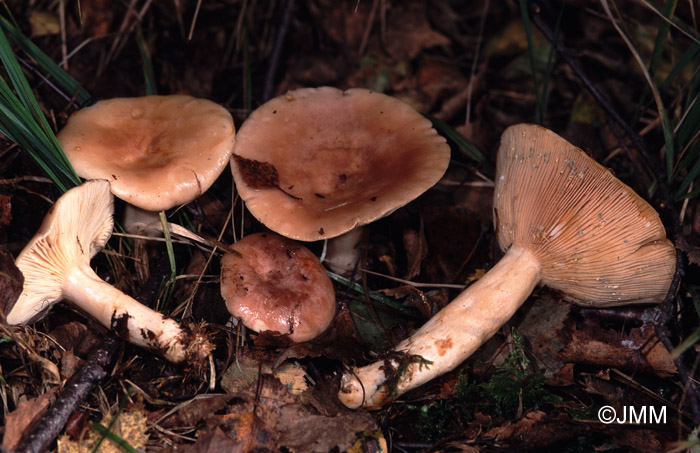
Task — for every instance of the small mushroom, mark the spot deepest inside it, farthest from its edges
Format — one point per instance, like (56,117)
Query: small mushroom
(157,152)
(56,265)
(275,284)
(564,221)
(318,162)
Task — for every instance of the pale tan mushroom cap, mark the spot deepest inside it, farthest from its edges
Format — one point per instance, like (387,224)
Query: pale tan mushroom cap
(157,151)
(76,228)
(277,285)
(597,241)
(318,162)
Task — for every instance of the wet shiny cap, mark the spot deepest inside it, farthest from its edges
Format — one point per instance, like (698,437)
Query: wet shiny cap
(157,152)
(318,162)
(276,284)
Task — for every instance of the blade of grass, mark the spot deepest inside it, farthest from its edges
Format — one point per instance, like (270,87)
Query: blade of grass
(372,295)
(171,258)
(665,122)
(531,55)
(659,43)
(112,437)
(54,71)
(453,135)
(146,64)
(542,107)
(24,122)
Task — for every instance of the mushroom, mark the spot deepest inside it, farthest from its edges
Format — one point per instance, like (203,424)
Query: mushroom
(275,284)
(56,265)
(318,162)
(564,221)
(156,151)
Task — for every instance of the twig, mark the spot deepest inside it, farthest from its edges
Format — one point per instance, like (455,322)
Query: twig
(75,391)
(277,51)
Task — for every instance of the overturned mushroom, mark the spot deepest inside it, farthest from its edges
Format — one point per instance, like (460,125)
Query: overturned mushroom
(318,162)
(56,266)
(157,152)
(565,222)
(275,284)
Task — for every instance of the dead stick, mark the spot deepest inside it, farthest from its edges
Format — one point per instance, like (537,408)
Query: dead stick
(75,391)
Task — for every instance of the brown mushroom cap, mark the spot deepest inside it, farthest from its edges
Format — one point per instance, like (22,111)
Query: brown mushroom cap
(277,285)
(317,162)
(157,151)
(597,241)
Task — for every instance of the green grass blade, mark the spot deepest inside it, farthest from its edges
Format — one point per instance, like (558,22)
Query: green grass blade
(24,122)
(114,438)
(371,294)
(54,71)
(542,108)
(146,64)
(693,174)
(453,135)
(690,55)
(659,42)
(531,55)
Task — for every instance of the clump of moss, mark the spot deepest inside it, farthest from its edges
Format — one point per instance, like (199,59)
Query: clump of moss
(514,388)
(511,391)
(444,417)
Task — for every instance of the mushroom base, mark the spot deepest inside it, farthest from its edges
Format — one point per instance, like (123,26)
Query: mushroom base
(450,336)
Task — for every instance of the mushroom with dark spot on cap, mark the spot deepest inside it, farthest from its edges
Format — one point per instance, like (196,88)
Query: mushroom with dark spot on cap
(56,265)
(564,221)
(318,162)
(157,152)
(275,284)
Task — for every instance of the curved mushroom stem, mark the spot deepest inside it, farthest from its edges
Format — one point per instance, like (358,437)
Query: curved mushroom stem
(132,320)
(450,336)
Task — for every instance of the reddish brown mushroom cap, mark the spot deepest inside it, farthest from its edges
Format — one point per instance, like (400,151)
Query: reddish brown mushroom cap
(157,151)
(597,240)
(278,285)
(318,162)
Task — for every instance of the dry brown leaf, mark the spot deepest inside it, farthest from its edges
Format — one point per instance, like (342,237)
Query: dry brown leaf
(535,430)
(416,250)
(21,418)
(11,283)
(409,32)
(690,244)
(213,442)
(638,351)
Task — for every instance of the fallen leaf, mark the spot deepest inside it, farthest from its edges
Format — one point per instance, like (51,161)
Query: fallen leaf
(43,23)
(213,442)
(416,250)
(690,244)
(11,283)
(408,31)
(536,430)
(321,433)
(638,351)
(22,418)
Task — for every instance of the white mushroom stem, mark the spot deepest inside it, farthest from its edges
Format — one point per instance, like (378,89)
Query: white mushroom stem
(344,252)
(129,318)
(450,336)
(56,265)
